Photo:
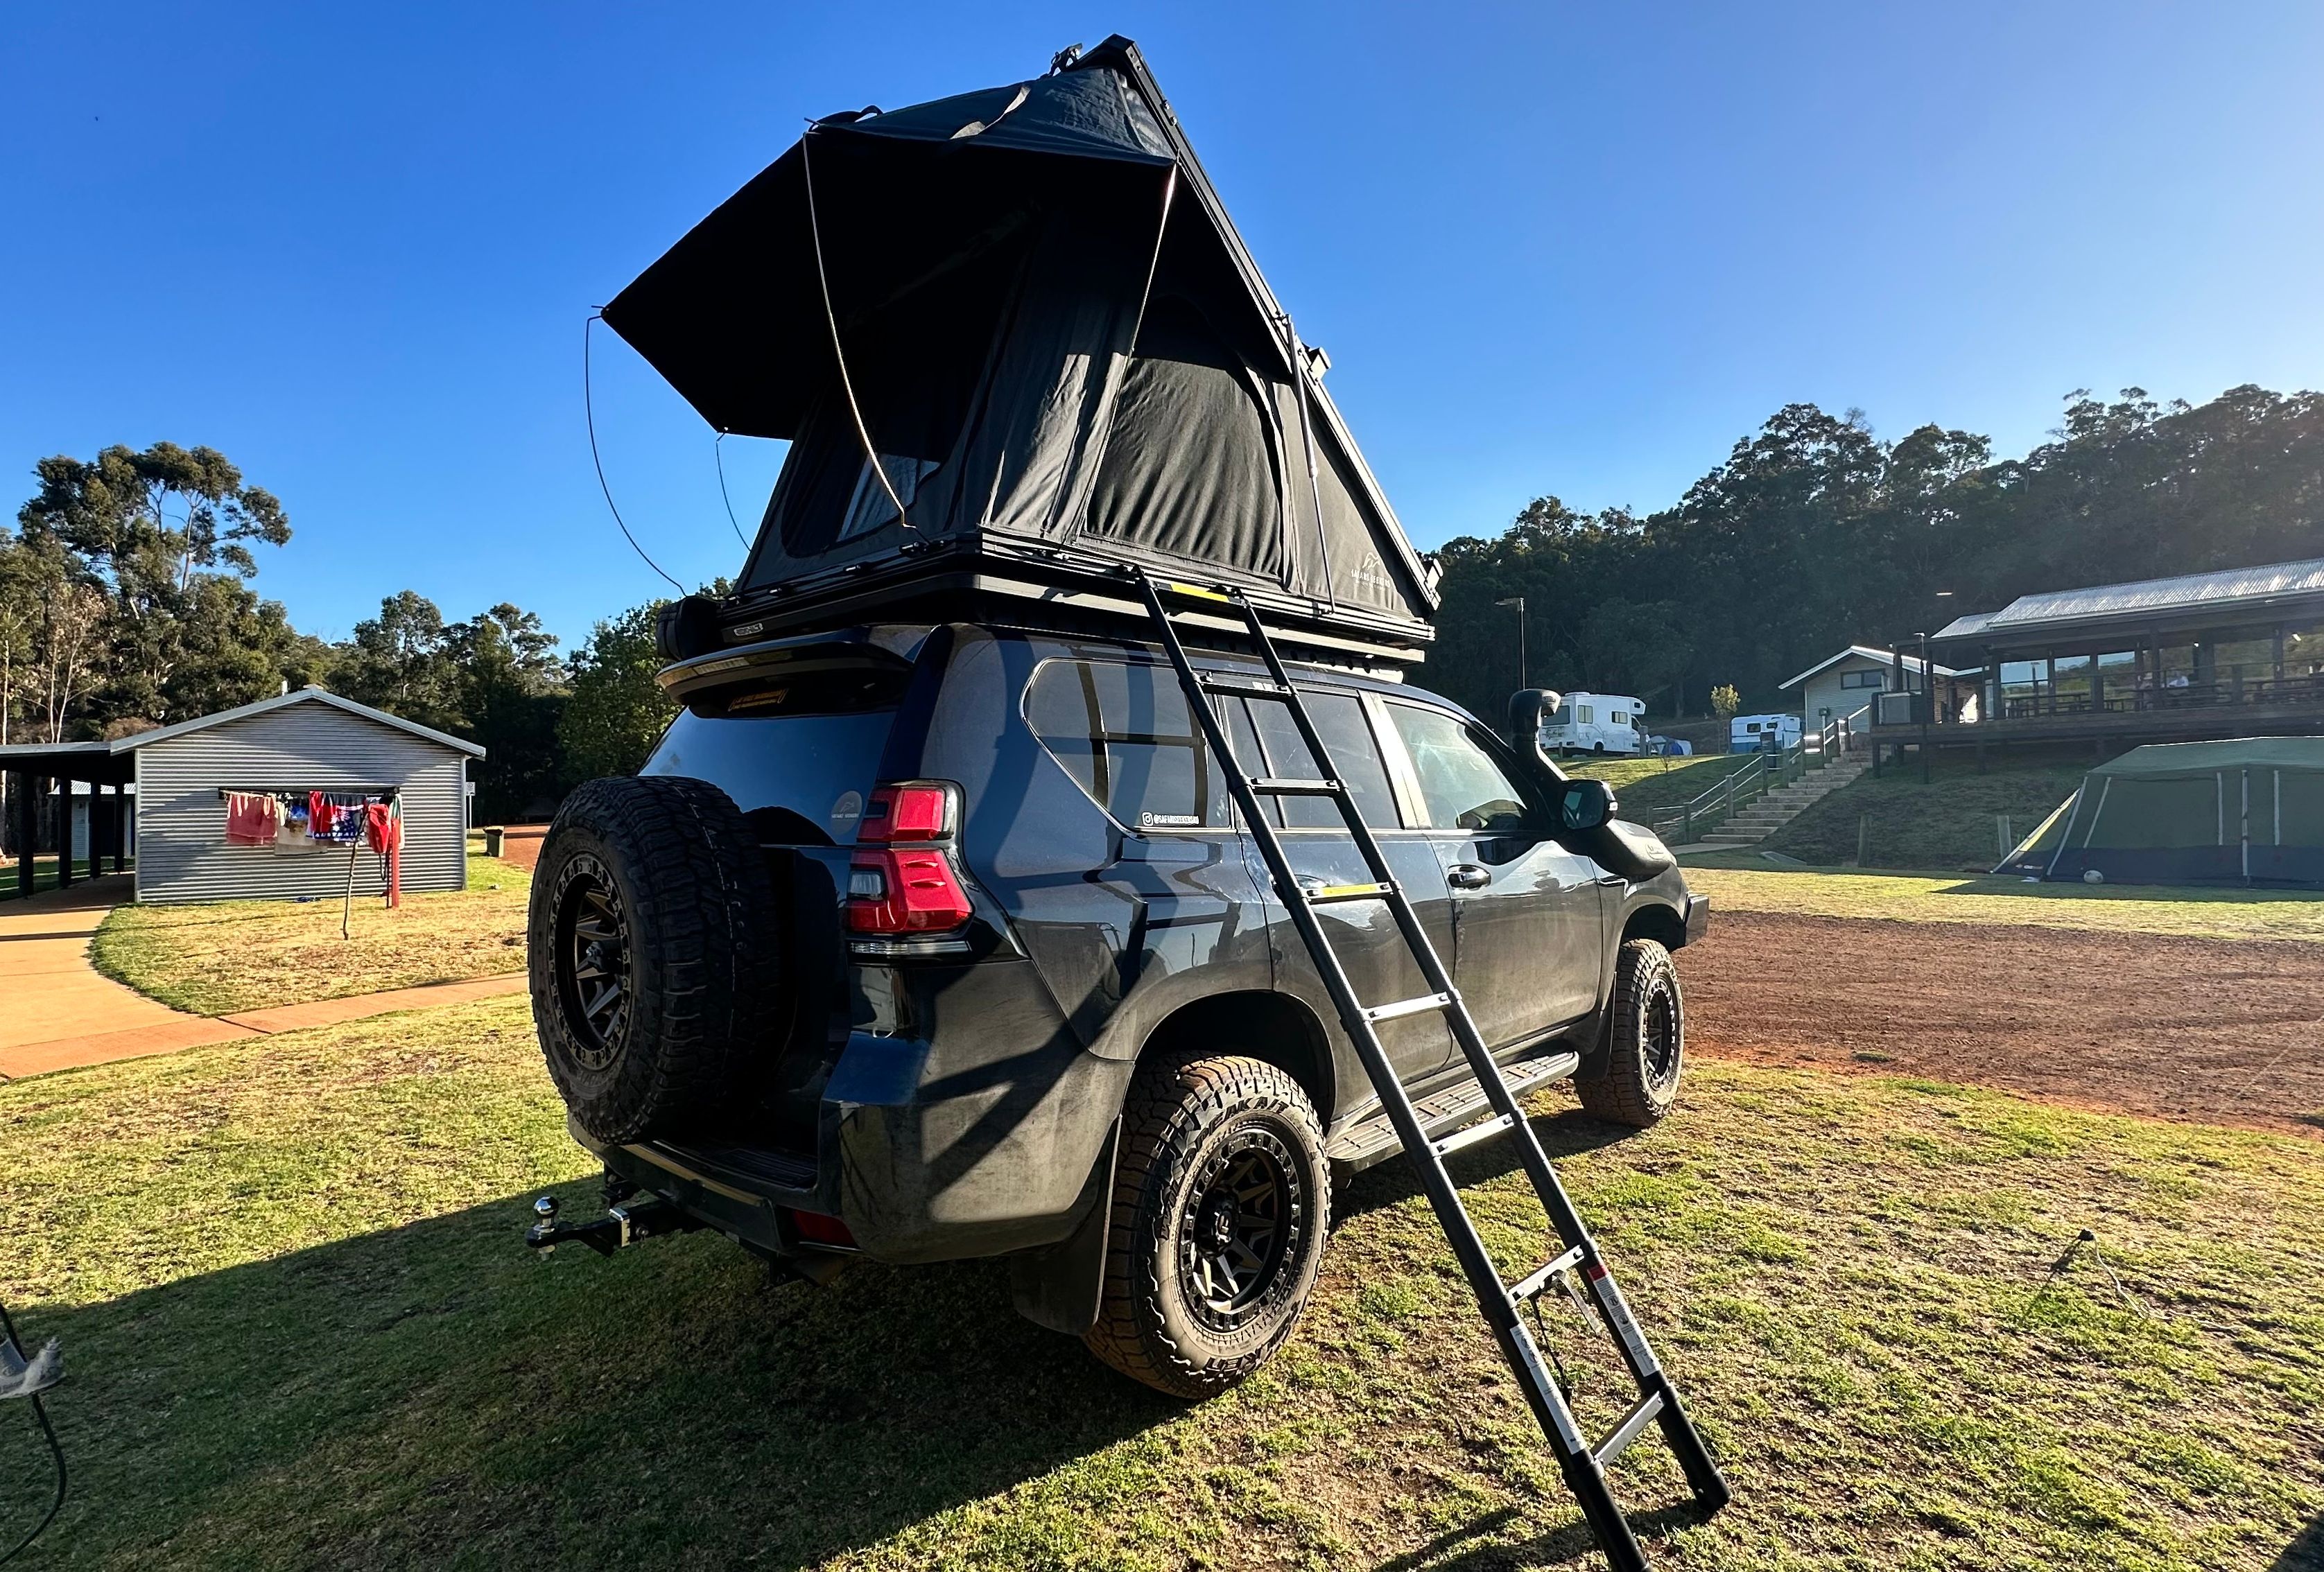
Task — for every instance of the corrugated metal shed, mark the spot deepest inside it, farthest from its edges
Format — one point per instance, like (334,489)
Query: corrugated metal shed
(309,740)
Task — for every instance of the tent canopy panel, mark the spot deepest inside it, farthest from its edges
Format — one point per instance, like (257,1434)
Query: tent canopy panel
(1048,332)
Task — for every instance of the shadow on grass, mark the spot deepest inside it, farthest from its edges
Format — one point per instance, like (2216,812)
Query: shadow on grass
(1567,1132)
(437,1394)
(1460,1551)
(2306,1553)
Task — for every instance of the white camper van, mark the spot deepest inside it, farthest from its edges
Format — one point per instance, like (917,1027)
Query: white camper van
(1750,734)
(1595,723)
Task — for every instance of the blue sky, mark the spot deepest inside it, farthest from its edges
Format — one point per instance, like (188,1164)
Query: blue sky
(1551,248)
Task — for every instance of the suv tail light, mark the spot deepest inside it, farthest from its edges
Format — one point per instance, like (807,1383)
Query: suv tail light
(904,882)
(918,812)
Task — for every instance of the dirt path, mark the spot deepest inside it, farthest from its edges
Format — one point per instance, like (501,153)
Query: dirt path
(2223,1033)
(520,844)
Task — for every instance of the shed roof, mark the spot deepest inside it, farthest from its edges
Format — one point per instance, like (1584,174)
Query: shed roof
(1883,657)
(64,757)
(2226,590)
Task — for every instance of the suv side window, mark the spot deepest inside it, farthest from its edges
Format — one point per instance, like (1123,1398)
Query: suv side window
(1462,786)
(1122,731)
(1355,753)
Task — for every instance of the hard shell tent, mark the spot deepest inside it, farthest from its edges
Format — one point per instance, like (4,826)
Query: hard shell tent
(1016,342)
(2244,812)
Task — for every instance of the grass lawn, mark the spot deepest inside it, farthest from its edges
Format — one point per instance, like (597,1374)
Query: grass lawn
(246,955)
(44,876)
(1643,784)
(1947,823)
(1742,881)
(302,1333)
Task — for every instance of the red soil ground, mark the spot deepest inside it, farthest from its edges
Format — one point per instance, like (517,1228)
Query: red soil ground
(520,844)
(2196,1029)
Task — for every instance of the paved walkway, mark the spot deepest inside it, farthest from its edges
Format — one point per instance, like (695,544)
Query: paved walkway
(57,1012)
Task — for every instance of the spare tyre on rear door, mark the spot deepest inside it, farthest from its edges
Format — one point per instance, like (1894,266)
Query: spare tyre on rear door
(655,957)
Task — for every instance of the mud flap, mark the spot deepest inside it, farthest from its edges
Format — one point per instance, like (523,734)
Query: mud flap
(1059,1286)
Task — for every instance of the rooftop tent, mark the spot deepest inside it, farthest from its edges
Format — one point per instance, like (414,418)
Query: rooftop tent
(2244,812)
(1049,332)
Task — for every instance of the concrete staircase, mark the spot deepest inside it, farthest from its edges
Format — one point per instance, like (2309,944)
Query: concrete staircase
(1763,816)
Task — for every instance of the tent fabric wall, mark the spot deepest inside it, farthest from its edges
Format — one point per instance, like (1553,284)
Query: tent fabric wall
(2244,812)
(1049,328)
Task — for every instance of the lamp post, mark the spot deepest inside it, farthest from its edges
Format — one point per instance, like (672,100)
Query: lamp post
(1518,601)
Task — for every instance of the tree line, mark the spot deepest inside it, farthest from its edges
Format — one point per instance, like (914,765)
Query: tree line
(1815,534)
(126,603)
(125,595)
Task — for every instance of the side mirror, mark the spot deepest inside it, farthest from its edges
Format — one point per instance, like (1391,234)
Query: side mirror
(1586,804)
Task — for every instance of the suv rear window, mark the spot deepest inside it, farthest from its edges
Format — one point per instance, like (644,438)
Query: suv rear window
(1122,731)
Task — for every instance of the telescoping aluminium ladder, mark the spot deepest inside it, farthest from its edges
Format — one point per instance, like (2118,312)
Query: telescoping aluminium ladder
(1584,1466)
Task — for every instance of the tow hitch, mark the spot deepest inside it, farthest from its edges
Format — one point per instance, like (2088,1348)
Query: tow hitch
(640,1217)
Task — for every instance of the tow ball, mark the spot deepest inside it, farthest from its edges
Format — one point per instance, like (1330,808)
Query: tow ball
(640,1217)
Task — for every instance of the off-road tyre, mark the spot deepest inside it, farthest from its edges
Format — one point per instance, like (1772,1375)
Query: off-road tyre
(1191,1121)
(1645,1050)
(665,870)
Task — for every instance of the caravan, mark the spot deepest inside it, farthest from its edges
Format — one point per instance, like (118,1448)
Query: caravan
(1595,723)
(1752,733)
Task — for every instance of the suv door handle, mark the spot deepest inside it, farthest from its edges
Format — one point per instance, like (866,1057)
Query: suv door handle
(1468,876)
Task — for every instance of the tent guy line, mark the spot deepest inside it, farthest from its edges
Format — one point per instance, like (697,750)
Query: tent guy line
(589,415)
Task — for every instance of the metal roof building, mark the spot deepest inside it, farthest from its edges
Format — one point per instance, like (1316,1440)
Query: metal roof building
(2197,602)
(2232,653)
(163,793)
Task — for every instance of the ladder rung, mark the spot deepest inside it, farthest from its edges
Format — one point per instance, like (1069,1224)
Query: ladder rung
(1246,687)
(1472,1134)
(1637,1419)
(1326,894)
(1435,1001)
(1540,1280)
(1278,785)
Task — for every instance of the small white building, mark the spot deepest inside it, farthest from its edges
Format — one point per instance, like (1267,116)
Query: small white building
(1836,688)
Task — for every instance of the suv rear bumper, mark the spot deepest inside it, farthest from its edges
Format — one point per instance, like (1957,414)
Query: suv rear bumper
(974,1135)
(1698,916)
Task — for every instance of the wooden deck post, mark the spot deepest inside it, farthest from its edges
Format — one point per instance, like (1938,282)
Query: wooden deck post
(64,831)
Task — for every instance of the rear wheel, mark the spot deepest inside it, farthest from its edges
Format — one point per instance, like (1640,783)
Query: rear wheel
(1645,1039)
(1220,1204)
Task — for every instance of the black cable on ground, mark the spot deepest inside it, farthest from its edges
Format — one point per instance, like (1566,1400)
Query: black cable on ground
(55,1451)
(589,414)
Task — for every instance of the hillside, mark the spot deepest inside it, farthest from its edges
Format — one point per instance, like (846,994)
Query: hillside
(1947,823)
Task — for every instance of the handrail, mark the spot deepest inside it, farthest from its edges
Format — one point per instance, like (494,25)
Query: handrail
(1763,773)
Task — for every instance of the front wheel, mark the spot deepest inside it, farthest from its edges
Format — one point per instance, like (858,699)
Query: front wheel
(1645,1039)
(1219,1210)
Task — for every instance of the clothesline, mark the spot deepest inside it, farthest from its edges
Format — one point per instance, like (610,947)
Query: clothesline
(371,818)
(385,794)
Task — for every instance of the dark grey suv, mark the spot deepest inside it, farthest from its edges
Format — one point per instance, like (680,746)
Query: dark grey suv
(930,943)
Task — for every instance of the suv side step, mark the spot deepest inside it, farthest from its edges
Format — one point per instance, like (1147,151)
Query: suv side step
(1375,1139)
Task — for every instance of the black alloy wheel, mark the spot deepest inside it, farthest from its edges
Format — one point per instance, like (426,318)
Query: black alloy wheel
(592,960)
(1222,1198)
(1242,1214)
(1635,1081)
(1662,1045)
(657,964)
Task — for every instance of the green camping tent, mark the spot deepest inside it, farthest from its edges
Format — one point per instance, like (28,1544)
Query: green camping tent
(2244,812)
